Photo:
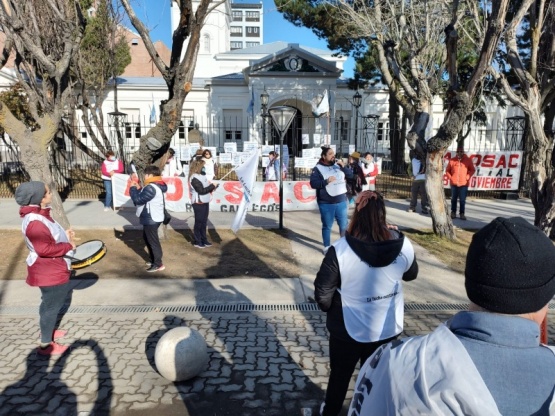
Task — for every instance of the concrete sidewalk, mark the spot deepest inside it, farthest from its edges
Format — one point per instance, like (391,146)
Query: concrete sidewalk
(267,343)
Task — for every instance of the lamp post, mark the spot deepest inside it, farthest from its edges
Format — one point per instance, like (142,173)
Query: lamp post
(282,117)
(264,98)
(357,101)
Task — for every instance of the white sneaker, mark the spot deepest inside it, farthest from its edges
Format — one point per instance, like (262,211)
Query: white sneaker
(325,250)
(106,209)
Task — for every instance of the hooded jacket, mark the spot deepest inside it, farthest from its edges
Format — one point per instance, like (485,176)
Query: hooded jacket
(368,275)
(46,265)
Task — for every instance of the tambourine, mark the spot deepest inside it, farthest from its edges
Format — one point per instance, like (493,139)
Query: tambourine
(87,253)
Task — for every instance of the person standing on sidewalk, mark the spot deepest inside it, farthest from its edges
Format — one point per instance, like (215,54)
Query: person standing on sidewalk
(370,172)
(47,267)
(201,194)
(173,165)
(110,166)
(150,210)
(328,177)
(418,186)
(359,286)
(210,166)
(272,168)
(459,171)
(484,361)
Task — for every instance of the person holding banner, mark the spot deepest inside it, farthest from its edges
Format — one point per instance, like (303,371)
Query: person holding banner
(47,267)
(150,209)
(360,287)
(109,167)
(201,194)
(328,178)
(459,171)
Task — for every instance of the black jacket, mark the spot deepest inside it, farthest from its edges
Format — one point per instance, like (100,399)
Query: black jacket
(328,278)
(318,182)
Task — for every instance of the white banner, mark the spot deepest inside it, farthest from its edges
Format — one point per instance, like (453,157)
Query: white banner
(297,196)
(495,171)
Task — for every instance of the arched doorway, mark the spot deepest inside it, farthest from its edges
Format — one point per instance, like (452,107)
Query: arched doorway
(293,137)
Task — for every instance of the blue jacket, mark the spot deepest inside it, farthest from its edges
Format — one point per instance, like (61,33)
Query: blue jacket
(144,196)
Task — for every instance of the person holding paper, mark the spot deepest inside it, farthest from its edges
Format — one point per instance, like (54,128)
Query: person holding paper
(328,178)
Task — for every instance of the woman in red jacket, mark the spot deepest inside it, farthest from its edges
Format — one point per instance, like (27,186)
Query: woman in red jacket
(47,267)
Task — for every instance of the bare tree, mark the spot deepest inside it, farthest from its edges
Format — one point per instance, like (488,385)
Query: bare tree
(533,66)
(178,74)
(414,62)
(44,36)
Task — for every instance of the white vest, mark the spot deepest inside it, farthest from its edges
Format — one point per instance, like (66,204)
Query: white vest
(372,297)
(155,206)
(57,231)
(111,165)
(337,187)
(195,196)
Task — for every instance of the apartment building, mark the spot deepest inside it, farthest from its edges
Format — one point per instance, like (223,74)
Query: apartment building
(247,25)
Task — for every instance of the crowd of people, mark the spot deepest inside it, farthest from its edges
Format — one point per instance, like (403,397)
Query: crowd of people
(486,360)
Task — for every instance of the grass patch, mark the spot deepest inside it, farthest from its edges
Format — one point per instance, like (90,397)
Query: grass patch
(450,252)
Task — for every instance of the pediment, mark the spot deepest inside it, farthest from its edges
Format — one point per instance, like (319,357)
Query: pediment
(292,61)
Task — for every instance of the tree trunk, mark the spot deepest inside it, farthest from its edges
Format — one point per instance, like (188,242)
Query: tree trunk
(395,140)
(441,222)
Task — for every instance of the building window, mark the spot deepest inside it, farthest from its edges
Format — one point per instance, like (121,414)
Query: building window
(383,130)
(253,17)
(252,44)
(181,130)
(233,121)
(252,31)
(237,15)
(206,39)
(236,31)
(132,130)
(237,45)
(342,128)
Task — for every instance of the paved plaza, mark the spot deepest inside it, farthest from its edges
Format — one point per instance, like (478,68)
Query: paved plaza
(267,341)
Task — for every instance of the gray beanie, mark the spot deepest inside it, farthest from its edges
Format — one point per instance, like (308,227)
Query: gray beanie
(30,193)
(510,267)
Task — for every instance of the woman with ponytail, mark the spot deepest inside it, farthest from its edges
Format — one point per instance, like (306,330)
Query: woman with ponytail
(359,286)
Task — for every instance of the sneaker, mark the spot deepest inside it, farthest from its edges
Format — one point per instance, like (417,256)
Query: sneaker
(57,334)
(153,268)
(207,245)
(200,246)
(411,210)
(462,217)
(453,215)
(106,209)
(148,264)
(52,349)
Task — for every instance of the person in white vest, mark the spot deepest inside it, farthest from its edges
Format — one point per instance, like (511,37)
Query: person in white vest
(418,187)
(370,171)
(201,194)
(150,203)
(109,167)
(210,165)
(359,286)
(328,177)
(173,165)
(484,361)
(48,266)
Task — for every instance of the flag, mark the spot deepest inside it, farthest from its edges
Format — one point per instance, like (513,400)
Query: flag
(319,108)
(250,109)
(153,112)
(247,177)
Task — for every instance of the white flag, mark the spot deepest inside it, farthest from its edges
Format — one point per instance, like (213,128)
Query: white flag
(322,107)
(246,173)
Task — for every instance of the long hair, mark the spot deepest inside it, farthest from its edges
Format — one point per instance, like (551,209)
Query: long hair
(369,222)
(196,166)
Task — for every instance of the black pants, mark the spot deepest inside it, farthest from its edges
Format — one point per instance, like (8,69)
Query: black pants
(53,298)
(150,235)
(201,222)
(343,360)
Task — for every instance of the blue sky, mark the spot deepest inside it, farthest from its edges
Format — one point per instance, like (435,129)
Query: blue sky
(156,15)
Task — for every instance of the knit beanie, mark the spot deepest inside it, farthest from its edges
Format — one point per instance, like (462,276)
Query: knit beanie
(510,267)
(30,193)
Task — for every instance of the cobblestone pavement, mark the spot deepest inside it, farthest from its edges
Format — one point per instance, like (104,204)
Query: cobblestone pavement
(260,364)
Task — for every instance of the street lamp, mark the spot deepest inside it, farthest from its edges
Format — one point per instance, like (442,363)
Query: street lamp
(282,117)
(357,101)
(264,98)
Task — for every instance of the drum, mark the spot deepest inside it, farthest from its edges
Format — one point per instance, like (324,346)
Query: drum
(87,253)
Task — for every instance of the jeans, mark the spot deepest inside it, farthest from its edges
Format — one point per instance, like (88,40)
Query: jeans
(343,360)
(152,241)
(419,187)
(201,221)
(108,188)
(53,298)
(458,192)
(329,212)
